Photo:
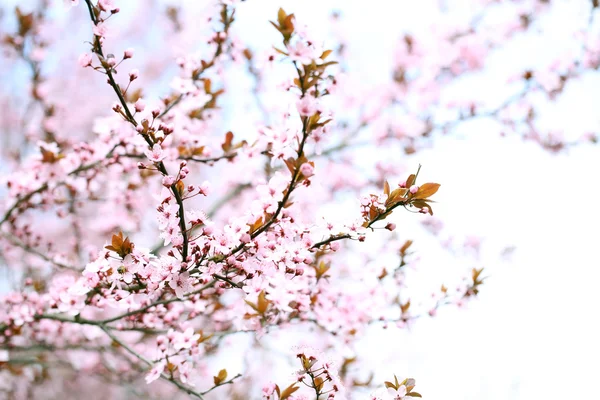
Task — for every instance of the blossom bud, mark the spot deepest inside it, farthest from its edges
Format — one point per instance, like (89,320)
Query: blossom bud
(133,74)
(414,189)
(156,112)
(139,105)
(128,53)
(307,170)
(168,180)
(85,60)
(390,226)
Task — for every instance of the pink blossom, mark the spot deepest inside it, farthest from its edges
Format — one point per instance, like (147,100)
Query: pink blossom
(133,74)
(156,154)
(155,372)
(139,105)
(106,5)
(128,53)
(307,170)
(186,339)
(100,30)
(181,283)
(307,106)
(85,60)
(301,52)
(168,180)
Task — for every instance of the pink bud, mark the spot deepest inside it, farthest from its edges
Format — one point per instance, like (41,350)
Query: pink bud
(390,226)
(85,60)
(307,170)
(335,246)
(414,189)
(156,112)
(139,105)
(168,180)
(246,238)
(133,75)
(128,53)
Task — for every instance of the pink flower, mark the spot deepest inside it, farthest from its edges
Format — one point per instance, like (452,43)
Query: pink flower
(85,60)
(133,74)
(139,105)
(414,189)
(100,30)
(155,372)
(156,154)
(128,53)
(181,283)
(307,106)
(301,53)
(268,390)
(168,180)
(307,170)
(186,339)
(106,5)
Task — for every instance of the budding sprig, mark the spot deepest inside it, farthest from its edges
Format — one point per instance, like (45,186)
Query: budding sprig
(408,194)
(402,390)
(220,39)
(317,376)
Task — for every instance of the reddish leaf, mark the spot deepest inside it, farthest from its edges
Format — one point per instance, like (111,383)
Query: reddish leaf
(426,190)
(386,188)
(288,391)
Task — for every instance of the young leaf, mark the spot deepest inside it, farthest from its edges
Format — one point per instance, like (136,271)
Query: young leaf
(263,303)
(220,378)
(288,391)
(426,190)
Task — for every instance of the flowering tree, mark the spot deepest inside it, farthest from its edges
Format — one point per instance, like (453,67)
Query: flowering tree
(144,235)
